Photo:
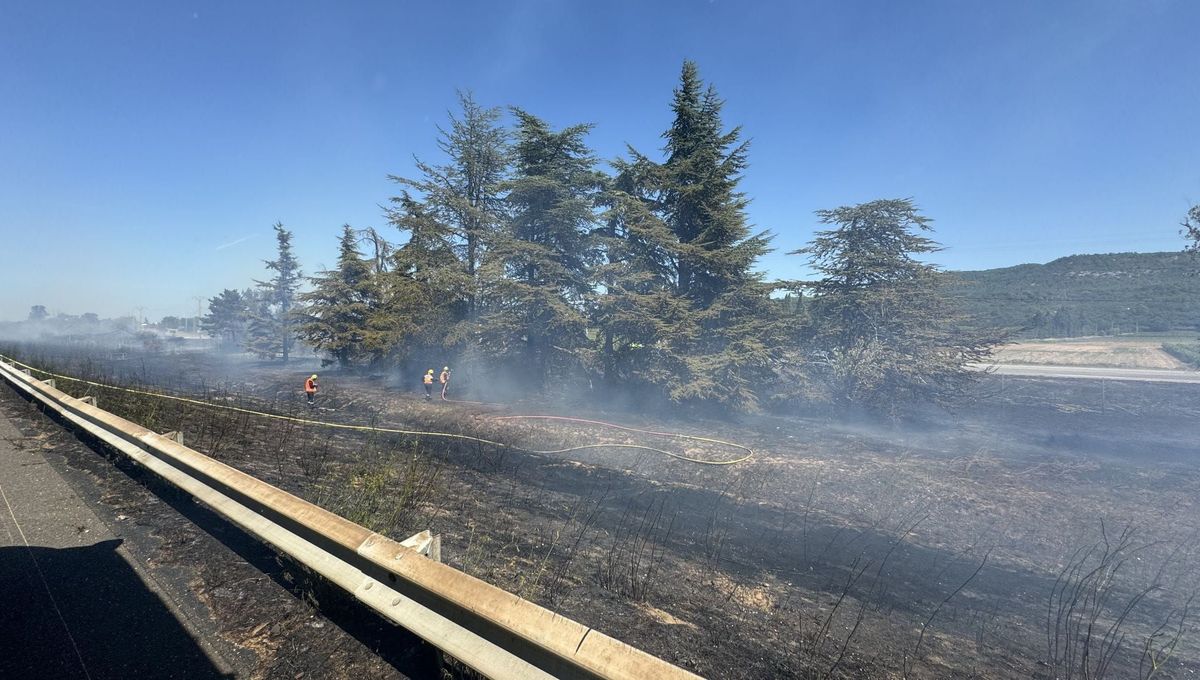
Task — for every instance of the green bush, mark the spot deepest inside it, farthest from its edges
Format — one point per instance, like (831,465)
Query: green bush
(1188,354)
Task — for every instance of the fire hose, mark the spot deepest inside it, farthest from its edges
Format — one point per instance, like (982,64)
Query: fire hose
(748,452)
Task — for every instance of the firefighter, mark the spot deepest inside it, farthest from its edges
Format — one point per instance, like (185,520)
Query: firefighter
(444,379)
(310,390)
(428,380)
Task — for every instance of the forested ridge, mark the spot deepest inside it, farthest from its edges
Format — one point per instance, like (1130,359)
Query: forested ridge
(1087,295)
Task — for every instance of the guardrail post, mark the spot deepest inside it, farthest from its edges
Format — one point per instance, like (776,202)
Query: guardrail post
(88,400)
(50,382)
(27,372)
(426,543)
(174,435)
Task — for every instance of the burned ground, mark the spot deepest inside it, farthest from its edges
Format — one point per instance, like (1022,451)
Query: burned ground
(262,614)
(1047,529)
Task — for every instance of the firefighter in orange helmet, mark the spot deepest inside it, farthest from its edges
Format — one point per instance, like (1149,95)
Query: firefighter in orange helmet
(428,380)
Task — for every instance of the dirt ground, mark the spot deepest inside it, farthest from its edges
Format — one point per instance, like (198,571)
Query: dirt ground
(1105,352)
(1049,530)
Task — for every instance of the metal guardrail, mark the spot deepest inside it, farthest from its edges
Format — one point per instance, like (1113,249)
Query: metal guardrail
(494,632)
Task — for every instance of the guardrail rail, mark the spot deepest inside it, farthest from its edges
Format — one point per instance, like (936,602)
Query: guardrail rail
(490,630)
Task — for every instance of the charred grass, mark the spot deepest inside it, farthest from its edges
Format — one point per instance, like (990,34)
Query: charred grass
(1050,532)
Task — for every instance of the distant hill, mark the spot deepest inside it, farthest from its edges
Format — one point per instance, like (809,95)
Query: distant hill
(1088,294)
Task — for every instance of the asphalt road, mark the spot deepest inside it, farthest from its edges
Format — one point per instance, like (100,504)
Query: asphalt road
(76,602)
(1095,372)
(107,573)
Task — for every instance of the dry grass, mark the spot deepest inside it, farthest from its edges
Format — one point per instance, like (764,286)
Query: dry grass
(1106,352)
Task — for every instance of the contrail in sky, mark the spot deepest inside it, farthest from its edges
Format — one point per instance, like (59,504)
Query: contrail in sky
(234,242)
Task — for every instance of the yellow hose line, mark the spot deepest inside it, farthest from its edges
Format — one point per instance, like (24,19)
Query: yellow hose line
(421,433)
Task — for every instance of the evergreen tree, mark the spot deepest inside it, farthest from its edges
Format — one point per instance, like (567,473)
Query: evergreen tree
(381,250)
(700,197)
(713,337)
(1191,229)
(340,316)
(463,195)
(269,332)
(537,278)
(263,331)
(427,292)
(885,333)
(640,318)
(226,319)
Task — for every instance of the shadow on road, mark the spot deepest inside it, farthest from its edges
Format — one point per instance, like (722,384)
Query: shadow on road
(101,607)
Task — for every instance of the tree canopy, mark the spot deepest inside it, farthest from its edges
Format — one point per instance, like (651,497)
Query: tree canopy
(520,255)
(883,331)
(269,332)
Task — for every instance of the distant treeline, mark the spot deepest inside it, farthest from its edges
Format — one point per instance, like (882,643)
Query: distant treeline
(1088,295)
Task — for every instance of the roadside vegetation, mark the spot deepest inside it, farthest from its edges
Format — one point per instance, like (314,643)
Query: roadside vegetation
(519,255)
(1187,353)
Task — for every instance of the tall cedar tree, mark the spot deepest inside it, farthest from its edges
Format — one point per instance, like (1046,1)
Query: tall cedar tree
(886,334)
(463,195)
(262,325)
(226,319)
(639,315)
(424,293)
(700,197)
(269,333)
(537,278)
(340,314)
(712,335)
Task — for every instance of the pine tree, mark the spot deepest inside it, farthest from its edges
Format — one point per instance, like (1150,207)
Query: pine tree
(537,274)
(463,195)
(700,197)
(885,332)
(226,319)
(263,330)
(640,318)
(1191,229)
(714,339)
(427,291)
(340,314)
(269,332)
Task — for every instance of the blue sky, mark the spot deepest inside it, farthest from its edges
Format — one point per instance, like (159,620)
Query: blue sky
(147,147)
